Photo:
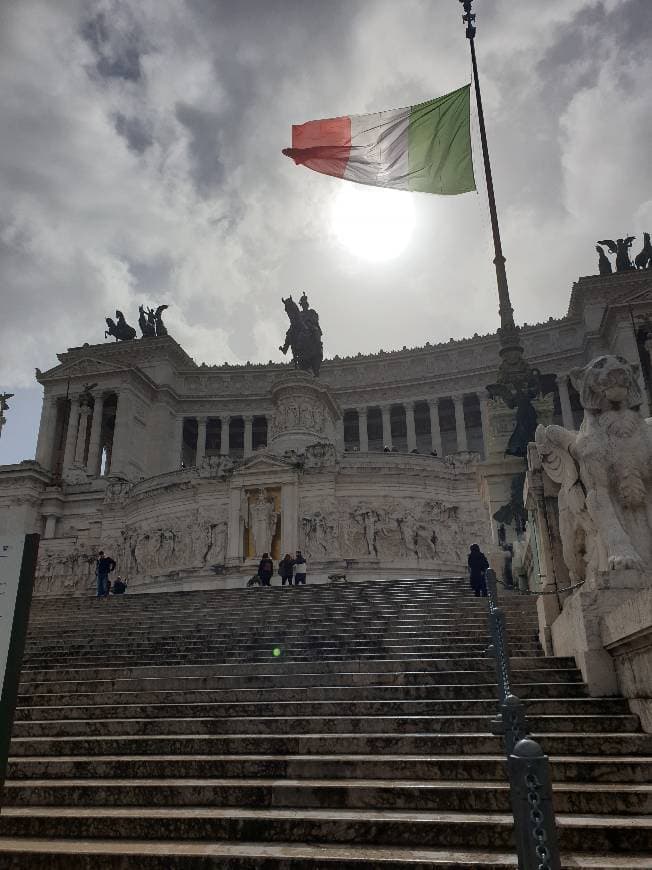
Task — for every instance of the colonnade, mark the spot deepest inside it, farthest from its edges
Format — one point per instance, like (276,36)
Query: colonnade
(84,434)
(461,423)
(221,442)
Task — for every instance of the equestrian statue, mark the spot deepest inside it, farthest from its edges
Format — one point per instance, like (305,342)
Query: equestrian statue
(303,336)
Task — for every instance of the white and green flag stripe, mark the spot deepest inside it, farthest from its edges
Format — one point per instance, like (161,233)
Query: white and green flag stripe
(426,147)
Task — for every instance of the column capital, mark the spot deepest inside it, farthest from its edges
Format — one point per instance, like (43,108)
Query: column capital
(409,403)
(458,398)
(362,409)
(248,418)
(433,402)
(202,420)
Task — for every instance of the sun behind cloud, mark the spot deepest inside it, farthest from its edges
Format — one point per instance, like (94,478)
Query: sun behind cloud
(373,223)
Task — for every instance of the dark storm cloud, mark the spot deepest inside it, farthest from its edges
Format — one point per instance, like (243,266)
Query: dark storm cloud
(134,131)
(204,129)
(117,51)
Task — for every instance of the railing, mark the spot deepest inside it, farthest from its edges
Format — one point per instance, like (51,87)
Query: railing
(535,829)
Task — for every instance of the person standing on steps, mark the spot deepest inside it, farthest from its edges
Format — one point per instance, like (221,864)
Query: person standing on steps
(265,570)
(300,570)
(286,569)
(103,567)
(478,567)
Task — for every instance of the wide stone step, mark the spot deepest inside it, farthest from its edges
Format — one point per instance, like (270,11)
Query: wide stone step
(215,725)
(357,707)
(65,674)
(276,667)
(216,679)
(207,696)
(34,854)
(261,656)
(469,690)
(295,630)
(462,768)
(253,646)
(338,743)
(379,827)
(374,691)
(449,796)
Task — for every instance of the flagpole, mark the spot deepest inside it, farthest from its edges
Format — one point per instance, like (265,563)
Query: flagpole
(513,371)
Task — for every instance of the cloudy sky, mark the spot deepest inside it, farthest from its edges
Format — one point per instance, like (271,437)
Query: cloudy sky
(140,162)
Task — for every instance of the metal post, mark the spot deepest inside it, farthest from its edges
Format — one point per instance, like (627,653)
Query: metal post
(535,829)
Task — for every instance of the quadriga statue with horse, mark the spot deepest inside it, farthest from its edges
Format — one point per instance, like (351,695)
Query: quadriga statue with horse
(303,336)
(119,328)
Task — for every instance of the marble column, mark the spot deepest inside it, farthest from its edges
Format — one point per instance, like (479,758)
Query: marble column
(50,526)
(225,422)
(483,399)
(201,440)
(385,410)
(460,423)
(339,434)
(409,422)
(95,443)
(565,403)
(363,433)
(46,432)
(435,430)
(177,444)
(80,452)
(122,443)
(248,435)
(71,434)
(234,540)
(289,518)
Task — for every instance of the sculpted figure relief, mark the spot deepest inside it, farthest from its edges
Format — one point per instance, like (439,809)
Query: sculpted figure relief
(605,472)
(320,534)
(262,522)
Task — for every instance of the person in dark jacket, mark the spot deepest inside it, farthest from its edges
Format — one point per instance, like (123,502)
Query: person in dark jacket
(478,566)
(300,569)
(265,570)
(103,567)
(286,569)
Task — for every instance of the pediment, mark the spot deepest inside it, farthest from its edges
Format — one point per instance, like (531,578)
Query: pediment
(265,469)
(86,366)
(264,461)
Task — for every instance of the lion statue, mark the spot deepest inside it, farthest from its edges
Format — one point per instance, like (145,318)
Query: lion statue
(604,472)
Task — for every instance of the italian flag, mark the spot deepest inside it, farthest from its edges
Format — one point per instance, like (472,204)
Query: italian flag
(426,147)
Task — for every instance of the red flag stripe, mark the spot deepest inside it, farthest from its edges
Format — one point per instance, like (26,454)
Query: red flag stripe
(323,145)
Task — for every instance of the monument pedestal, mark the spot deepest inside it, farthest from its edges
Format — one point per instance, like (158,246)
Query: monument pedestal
(579,630)
(305,413)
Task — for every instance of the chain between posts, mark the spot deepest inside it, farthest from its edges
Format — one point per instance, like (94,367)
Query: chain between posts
(535,829)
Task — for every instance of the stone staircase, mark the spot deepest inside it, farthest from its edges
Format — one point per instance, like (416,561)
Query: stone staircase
(321,727)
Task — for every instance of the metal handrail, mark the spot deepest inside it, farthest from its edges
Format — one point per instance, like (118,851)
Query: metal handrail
(535,828)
